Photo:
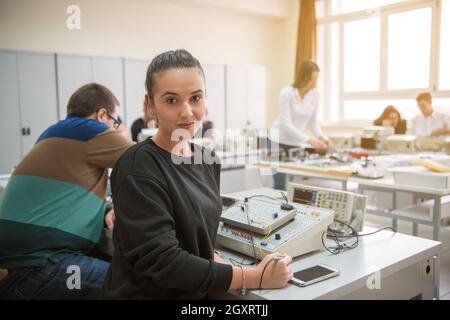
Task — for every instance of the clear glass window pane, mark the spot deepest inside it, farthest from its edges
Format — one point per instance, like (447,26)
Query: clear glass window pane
(334,68)
(409,41)
(444,55)
(320,8)
(323,71)
(442,105)
(372,109)
(362,55)
(346,6)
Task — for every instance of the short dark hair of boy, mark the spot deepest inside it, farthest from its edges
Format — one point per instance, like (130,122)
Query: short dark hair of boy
(89,98)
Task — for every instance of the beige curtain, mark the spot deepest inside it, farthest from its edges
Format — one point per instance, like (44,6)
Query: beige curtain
(307,34)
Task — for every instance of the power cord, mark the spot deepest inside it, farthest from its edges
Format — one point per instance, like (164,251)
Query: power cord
(340,239)
(284,205)
(244,209)
(234,262)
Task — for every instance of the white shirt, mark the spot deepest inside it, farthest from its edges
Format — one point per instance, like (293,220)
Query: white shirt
(296,115)
(424,126)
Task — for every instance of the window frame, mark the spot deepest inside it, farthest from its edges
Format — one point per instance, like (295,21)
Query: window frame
(383,93)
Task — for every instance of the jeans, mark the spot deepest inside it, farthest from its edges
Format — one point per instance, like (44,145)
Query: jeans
(56,281)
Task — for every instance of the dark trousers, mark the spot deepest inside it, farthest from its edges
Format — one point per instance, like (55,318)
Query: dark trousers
(56,281)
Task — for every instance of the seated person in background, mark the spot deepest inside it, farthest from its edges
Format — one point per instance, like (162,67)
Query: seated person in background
(392,118)
(53,210)
(207,125)
(429,122)
(147,121)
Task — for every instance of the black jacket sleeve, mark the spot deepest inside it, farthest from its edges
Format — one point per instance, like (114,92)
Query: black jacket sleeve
(146,239)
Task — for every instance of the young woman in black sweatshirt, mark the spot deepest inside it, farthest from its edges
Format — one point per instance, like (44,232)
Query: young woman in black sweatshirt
(167,201)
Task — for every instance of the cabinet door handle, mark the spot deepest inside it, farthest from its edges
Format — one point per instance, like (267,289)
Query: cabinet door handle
(26,131)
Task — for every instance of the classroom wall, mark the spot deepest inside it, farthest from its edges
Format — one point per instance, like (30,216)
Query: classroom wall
(226,32)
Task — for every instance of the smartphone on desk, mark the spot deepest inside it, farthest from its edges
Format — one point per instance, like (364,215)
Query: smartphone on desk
(312,275)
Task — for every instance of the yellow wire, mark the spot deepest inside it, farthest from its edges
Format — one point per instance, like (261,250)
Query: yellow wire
(265,237)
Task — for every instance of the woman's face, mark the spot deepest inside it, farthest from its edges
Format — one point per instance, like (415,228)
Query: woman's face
(178,100)
(391,120)
(393,116)
(312,84)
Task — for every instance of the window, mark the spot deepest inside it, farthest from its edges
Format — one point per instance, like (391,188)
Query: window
(444,55)
(375,53)
(362,55)
(372,109)
(409,49)
(346,6)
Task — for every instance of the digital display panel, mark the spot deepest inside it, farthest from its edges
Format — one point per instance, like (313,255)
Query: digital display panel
(303,196)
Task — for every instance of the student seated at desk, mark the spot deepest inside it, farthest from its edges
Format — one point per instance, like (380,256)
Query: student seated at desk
(168,207)
(392,118)
(53,208)
(146,121)
(207,126)
(429,122)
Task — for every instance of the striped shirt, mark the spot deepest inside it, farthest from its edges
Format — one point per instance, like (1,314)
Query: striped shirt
(53,205)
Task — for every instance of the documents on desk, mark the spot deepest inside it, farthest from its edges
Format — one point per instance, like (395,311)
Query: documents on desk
(294,232)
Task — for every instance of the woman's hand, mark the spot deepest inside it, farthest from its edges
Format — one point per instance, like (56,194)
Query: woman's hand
(328,143)
(317,144)
(440,132)
(278,271)
(218,258)
(110,217)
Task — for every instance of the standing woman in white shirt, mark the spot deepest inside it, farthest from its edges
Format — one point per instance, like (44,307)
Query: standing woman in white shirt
(298,112)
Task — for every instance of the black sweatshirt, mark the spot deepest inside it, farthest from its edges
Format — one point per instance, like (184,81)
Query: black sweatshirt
(167,216)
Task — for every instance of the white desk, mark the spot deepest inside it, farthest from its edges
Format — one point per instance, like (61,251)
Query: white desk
(306,174)
(387,185)
(408,268)
(233,160)
(384,159)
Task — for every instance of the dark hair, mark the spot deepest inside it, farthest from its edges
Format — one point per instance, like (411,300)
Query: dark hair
(174,59)
(91,97)
(401,124)
(304,73)
(426,96)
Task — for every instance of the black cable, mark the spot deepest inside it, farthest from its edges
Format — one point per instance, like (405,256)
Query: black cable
(269,197)
(284,196)
(384,228)
(234,262)
(244,208)
(264,270)
(250,229)
(342,246)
